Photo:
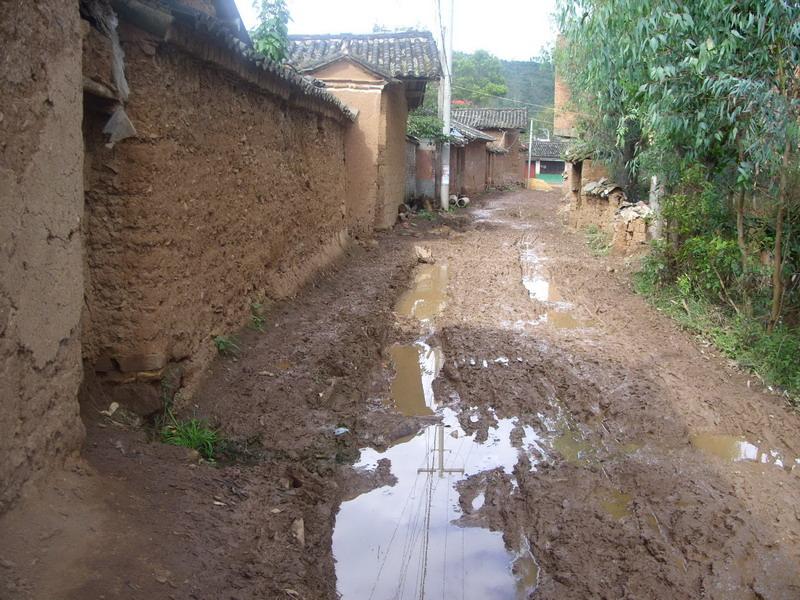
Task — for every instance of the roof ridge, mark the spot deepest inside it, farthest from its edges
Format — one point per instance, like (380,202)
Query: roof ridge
(377,34)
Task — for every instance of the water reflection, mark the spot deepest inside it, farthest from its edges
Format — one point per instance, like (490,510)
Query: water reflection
(426,298)
(543,290)
(407,540)
(416,366)
(737,448)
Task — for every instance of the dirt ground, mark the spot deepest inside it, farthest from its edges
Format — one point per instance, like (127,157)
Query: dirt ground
(663,471)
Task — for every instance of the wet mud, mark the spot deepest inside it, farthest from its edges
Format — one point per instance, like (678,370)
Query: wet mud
(510,421)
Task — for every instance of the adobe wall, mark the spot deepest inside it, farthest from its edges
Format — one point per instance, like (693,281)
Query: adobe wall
(228,195)
(595,210)
(426,163)
(391,155)
(507,169)
(361,152)
(41,205)
(594,170)
(564,119)
(474,177)
(411,170)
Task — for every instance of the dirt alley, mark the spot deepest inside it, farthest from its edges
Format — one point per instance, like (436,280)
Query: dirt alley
(634,490)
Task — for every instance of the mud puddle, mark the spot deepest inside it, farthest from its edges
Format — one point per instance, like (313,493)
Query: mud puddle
(417,538)
(559,313)
(426,298)
(734,448)
(429,532)
(416,366)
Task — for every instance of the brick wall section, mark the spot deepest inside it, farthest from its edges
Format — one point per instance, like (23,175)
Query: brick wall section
(41,205)
(228,195)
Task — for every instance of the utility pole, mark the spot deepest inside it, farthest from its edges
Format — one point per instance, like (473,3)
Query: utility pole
(446,54)
(440,454)
(530,148)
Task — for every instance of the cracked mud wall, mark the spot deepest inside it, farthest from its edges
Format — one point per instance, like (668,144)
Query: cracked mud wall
(41,205)
(227,196)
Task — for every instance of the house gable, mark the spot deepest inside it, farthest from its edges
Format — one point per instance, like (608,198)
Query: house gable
(344,70)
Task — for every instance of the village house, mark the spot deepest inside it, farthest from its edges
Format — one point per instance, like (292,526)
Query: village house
(547,160)
(380,77)
(468,159)
(505,161)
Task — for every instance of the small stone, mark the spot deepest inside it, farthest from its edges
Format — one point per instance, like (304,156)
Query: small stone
(424,255)
(299,531)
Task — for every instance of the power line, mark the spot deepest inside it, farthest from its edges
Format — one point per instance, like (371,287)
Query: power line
(561,110)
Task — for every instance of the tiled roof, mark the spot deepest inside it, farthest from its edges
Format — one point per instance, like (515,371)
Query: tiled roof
(492,118)
(403,55)
(549,149)
(470,134)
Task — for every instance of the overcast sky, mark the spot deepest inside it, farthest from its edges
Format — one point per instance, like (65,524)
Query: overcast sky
(510,29)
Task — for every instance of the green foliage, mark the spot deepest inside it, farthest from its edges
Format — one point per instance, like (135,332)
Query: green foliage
(426,214)
(773,356)
(704,95)
(227,345)
(423,124)
(271,35)
(598,240)
(191,433)
(257,319)
(477,77)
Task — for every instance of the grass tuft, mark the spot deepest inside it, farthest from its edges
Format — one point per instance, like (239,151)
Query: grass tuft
(257,319)
(226,345)
(598,240)
(191,433)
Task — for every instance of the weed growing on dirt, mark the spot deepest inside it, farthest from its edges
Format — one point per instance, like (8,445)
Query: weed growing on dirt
(426,214)
(771,355)
(191,433)
(598,240)
(257,319)
(226,345)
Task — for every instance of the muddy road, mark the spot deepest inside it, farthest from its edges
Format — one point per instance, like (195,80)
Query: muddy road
(502,419)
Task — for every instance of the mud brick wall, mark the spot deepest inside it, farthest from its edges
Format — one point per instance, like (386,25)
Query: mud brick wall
(595,210)
(507,169)
(41,204)
(391,156)
(629,235)
(228,195)
(474,178)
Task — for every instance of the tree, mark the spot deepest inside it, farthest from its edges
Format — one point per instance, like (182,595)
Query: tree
(704,94)
(478,77)
(271,35)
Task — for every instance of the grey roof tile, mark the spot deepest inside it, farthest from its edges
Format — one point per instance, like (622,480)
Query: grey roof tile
(403,55)
(470,133)
(549,149)
(492,118)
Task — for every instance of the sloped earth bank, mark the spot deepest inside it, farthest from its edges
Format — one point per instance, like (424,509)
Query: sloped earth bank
(521,425)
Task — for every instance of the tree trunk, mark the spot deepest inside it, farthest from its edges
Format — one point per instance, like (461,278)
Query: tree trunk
(656,193)
(777,259)
(742,242)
